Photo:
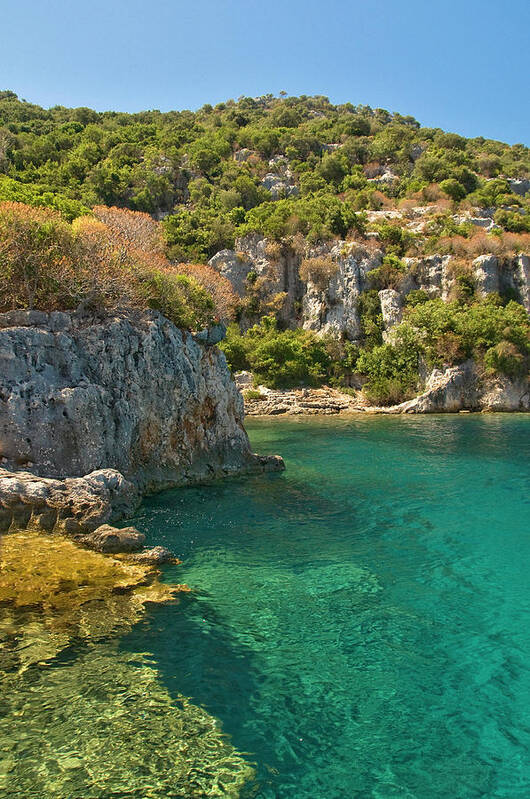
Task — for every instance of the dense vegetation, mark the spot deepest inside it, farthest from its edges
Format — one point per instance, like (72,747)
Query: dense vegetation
(81,193)
(433,332)
(109,260)
(209,172)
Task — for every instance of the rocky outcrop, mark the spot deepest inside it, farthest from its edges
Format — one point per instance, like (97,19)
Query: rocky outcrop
(335,309)
(95,412)
(463,387)
(299,402)
(134,394)
(67,506)
(522,279)
(455,389)
(391,310)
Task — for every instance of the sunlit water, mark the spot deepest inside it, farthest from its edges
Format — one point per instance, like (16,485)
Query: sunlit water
(361,623)
(359,627)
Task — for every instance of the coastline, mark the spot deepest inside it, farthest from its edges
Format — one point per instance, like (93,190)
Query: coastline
(458,390)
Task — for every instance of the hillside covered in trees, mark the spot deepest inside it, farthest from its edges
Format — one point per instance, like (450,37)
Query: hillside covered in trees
(113,208)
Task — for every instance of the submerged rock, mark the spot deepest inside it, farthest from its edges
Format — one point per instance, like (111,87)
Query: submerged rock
(99,722)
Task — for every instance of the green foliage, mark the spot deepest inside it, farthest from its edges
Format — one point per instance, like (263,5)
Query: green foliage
(453,188)
(513,221)
(506,358)
(444,334)
(369,307)
(416,297)
(277,358)
(391,369)
(395,238)
(181,165)
(389,275)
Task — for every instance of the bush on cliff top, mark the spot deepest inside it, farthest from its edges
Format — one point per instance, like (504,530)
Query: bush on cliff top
(49,264)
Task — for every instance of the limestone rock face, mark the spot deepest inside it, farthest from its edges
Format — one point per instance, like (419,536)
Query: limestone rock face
(391,309)
(464,388)
(335,308)
(486,273)
(522,279)
(430,274)
(130,393)
(68,506)
(235,268)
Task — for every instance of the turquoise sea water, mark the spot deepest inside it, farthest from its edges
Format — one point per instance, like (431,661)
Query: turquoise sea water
(361,622)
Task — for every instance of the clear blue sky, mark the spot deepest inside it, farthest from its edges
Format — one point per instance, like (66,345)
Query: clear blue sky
(459,65)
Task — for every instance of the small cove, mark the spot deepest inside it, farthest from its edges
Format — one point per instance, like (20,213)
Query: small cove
(359,623)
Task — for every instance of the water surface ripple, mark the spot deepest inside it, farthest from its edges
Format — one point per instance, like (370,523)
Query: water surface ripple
(361,621)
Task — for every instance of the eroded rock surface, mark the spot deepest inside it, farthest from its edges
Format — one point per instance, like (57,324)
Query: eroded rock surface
(69,506)
(94,412)
(133,394)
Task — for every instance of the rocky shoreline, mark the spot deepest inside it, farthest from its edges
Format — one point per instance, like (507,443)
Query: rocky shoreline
(97,411)
(459,388)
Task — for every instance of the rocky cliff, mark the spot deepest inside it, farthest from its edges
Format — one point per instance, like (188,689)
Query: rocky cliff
(269,274)
(270,278)
(125,404)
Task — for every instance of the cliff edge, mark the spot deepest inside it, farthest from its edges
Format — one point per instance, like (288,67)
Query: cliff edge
(125,404)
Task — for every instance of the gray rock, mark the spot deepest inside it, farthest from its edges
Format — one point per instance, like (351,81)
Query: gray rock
(68,506)
(21,318)
(486,274)
(520,186)
(335,308)
(244,154)
(234,267)
(463,387)
(212,335)
(243,380)
(521,279)
(130,393)
(391,309)
(280,185)
(113,539)
(155,556)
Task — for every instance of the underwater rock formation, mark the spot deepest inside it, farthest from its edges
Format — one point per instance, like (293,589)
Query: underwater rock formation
(100,723)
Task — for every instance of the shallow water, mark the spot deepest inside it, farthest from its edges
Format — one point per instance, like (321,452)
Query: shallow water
(361,627)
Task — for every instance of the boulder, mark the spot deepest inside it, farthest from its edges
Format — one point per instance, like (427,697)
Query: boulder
(69,506)
(111,540)
(156,556)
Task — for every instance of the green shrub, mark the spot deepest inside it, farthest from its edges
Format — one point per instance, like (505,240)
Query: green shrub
(391,369)
(416,297)
(371,317)
(505,357)
(252,394)
(278,358)
(389,275)
(454,189)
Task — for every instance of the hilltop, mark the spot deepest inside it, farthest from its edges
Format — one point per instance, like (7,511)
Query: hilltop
(346,244)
